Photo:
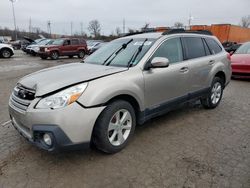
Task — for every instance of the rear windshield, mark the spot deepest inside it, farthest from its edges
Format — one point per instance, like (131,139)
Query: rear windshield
(244,49)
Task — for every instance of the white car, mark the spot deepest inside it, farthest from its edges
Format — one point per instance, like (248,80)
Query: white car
(6,51)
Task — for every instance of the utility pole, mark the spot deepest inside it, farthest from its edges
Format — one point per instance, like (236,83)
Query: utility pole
(123,23)
(30,26)
(189,20)
(49,27)
(14,16)
(71,27)
(81,28)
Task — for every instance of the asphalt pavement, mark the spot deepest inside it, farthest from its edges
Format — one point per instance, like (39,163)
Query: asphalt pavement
(187,148)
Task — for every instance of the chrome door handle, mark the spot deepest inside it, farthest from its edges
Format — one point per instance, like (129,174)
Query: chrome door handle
(184,69)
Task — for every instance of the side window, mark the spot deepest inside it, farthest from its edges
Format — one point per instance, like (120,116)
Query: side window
(213,46)
(75,42)
(171,49)
(66,42)
(194,47)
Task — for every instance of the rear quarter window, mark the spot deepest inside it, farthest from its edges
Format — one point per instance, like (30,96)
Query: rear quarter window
(213,46)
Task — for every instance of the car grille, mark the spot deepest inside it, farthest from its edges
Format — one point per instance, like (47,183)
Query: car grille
(42,49)
(21,98)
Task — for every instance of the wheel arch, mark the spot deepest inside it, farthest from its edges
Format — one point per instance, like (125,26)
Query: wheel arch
(130,99)
(222,76)
(6,48)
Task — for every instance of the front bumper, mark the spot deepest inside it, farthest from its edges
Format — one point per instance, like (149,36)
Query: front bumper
(70,127)
(44,54)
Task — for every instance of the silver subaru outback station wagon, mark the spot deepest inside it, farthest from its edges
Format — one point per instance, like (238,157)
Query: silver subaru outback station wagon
(127,82)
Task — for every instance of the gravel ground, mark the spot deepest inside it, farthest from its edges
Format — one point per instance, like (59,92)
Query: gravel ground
(186,148)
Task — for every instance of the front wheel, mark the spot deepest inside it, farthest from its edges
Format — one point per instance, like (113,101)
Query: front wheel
(81,54)
(54,55)
(43,57)
(215,94)
(114,127)
(5,53)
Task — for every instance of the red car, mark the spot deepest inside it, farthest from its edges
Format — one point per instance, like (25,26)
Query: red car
(64,47)
(241,62)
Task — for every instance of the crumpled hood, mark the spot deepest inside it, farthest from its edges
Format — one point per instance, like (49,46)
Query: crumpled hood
(55,78)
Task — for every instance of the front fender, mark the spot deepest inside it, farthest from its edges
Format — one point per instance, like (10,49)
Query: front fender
(102,90)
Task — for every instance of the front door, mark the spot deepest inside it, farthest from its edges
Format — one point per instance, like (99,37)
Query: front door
(66,49)
(167,86)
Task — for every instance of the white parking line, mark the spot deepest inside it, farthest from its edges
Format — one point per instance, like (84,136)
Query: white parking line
(6,123)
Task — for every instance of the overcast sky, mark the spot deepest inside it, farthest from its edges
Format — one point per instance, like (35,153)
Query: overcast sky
(110,13)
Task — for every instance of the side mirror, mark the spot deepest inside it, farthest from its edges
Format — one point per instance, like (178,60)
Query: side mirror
(231,53)
(159,62)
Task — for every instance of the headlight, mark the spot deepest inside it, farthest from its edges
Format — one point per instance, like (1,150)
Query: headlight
(63,98)
(46,50)
(36,49)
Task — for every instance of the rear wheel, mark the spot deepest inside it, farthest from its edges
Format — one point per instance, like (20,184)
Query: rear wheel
(114,127)
(54,55)
(5,53)
(81,54)
(70,56)
(215,94)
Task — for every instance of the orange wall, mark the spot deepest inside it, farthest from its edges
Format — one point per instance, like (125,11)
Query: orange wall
(239,34)
(226,32)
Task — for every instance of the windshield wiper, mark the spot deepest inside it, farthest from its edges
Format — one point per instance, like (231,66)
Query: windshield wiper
(115,53)
(135,55)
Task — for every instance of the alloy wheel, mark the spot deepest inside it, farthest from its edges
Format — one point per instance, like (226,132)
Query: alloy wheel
(216,93)
(119,127)
(6,53)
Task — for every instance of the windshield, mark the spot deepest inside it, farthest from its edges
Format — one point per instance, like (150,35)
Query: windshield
(244,49)
(43,42)
(121,59)
(37,41)
(57,42)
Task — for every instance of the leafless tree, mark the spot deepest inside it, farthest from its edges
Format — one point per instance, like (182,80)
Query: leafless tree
(94,28)
(178,25)
(118,31)
(245,21)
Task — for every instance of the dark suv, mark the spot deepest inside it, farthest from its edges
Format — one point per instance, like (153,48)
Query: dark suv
(64,47)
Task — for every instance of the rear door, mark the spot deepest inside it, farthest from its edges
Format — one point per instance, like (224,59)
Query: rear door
(75,45)
(200,63)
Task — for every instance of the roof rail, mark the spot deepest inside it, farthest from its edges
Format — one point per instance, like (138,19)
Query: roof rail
(134,33)
(176,31)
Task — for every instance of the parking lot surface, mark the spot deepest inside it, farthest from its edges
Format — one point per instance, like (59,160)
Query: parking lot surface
(187,148)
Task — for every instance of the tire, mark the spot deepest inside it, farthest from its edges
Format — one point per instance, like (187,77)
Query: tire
(70,56)
(81,54)
(213,98)
(5,53)
(44,57)
(33,53)
(54,55)
(110,135)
